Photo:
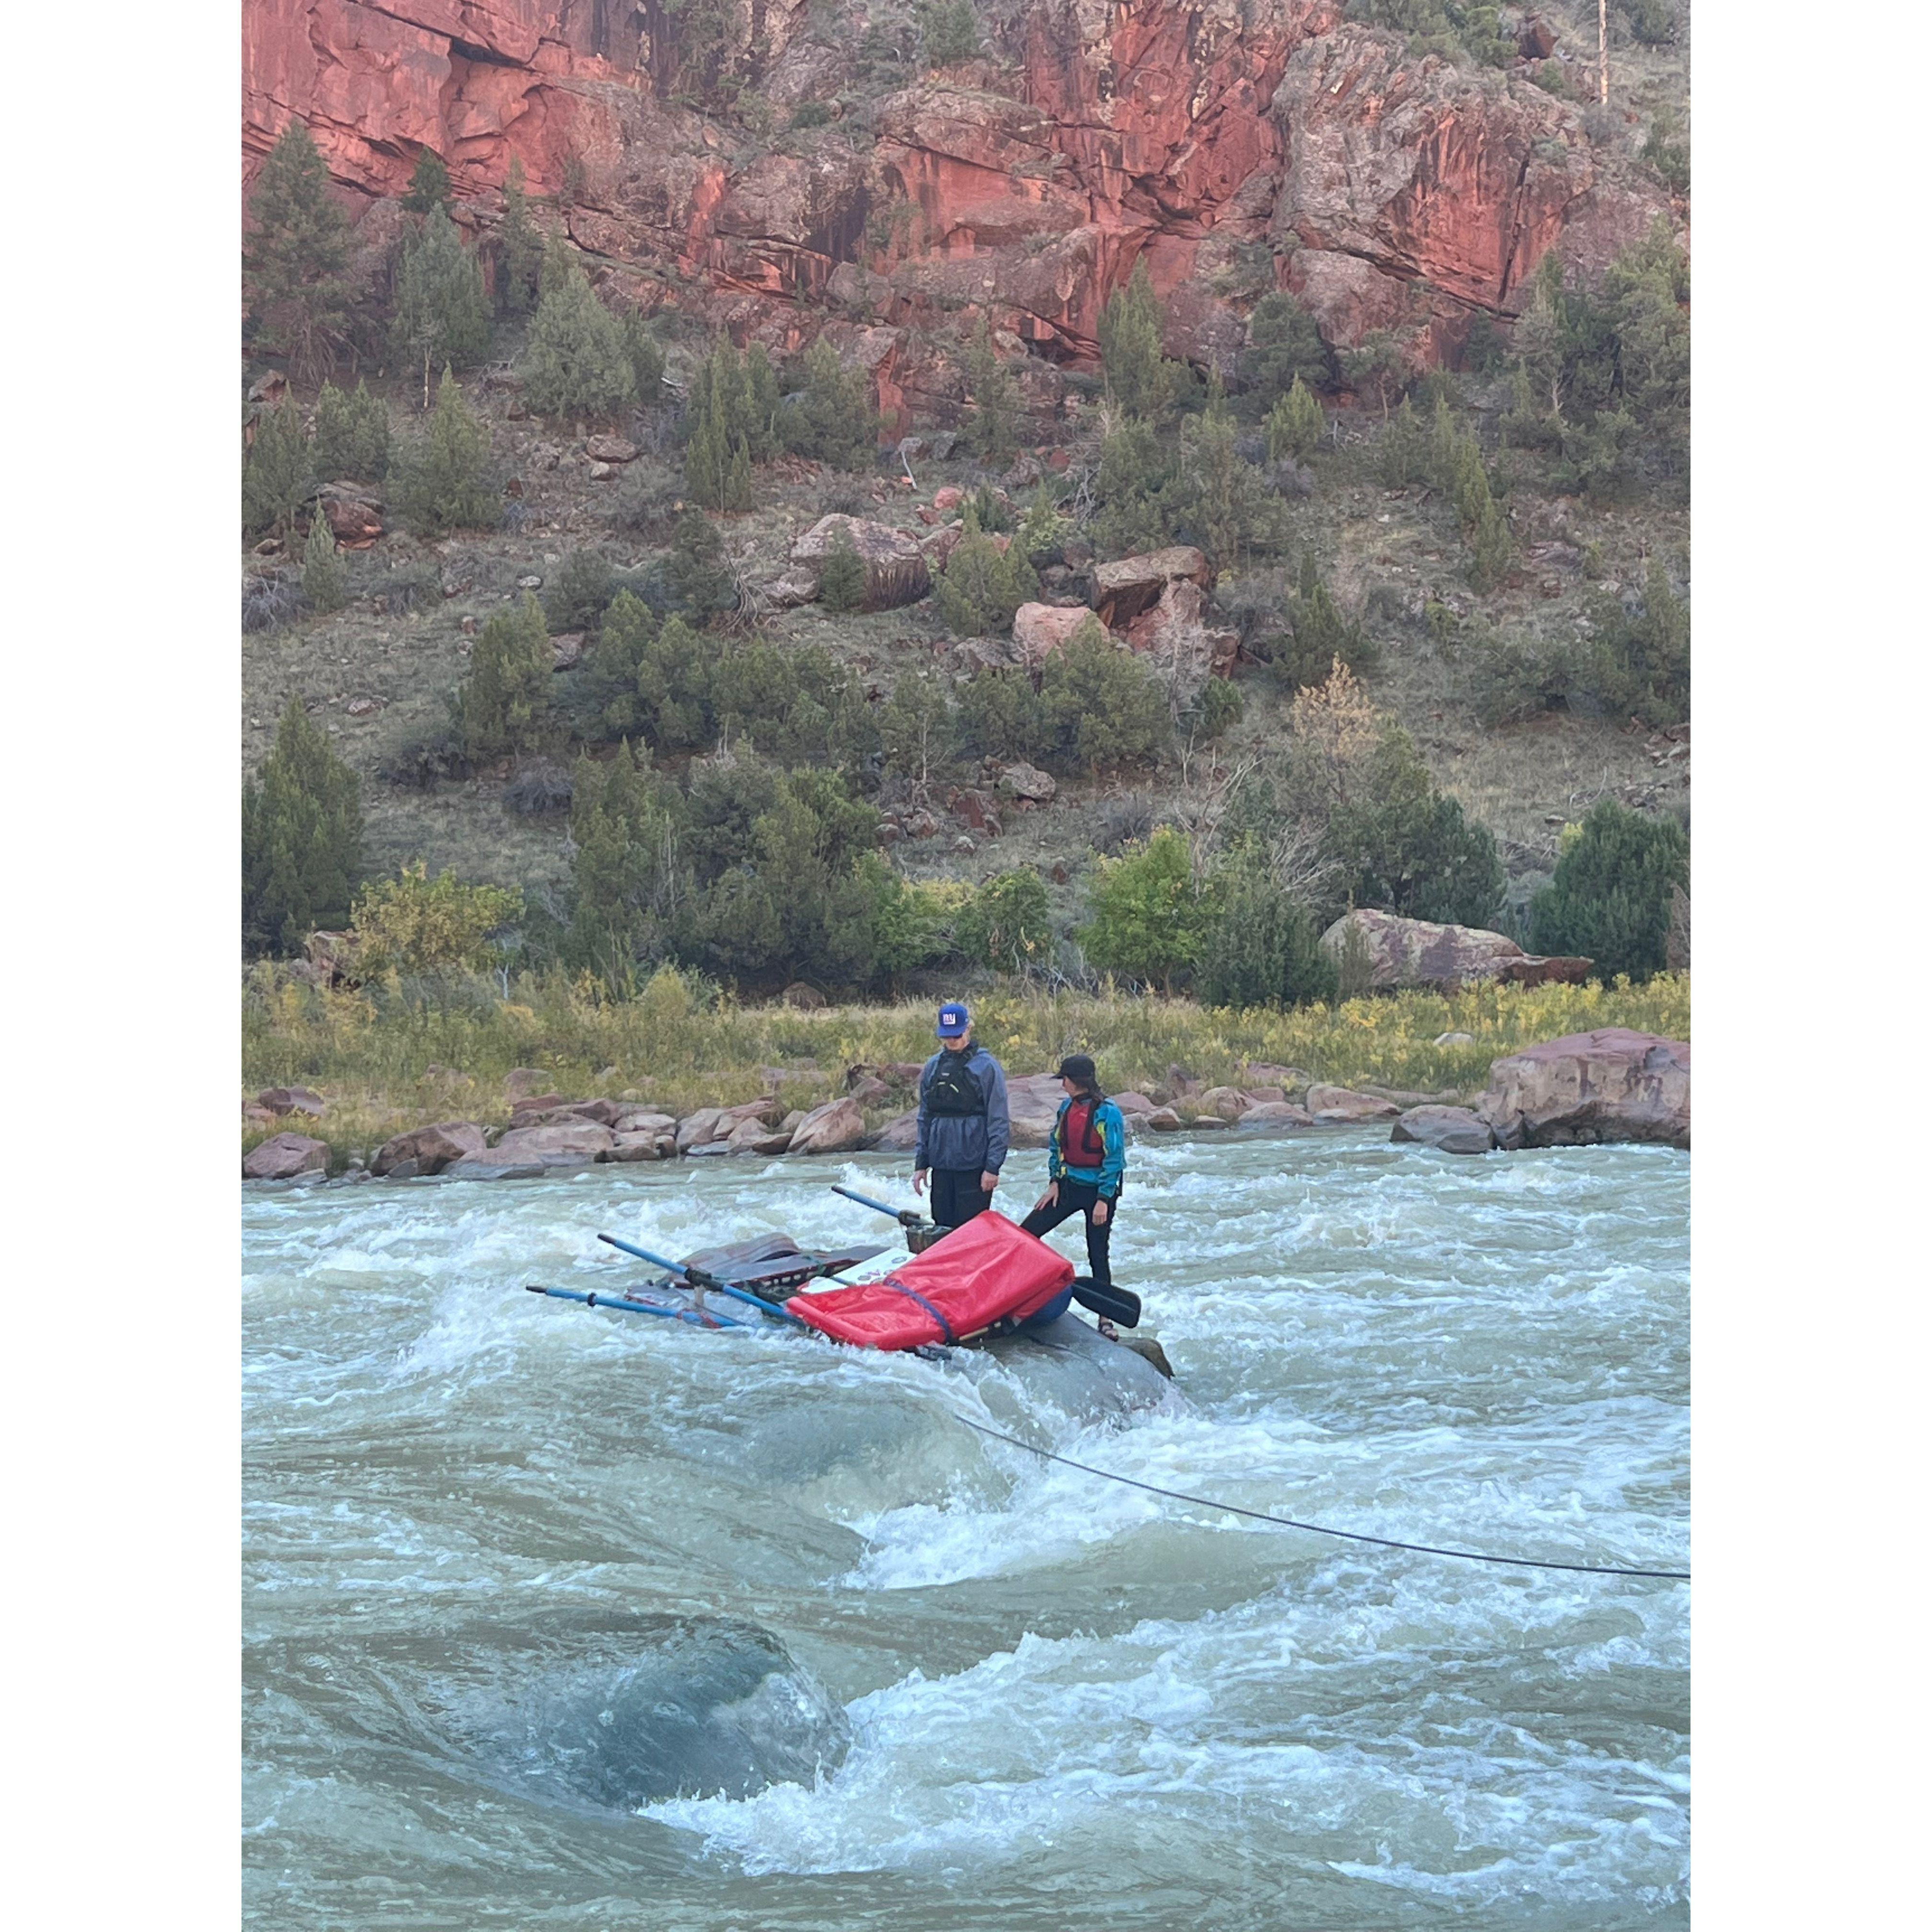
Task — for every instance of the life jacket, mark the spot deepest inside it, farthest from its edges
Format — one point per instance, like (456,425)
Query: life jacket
(953,1090)
(1081,1144)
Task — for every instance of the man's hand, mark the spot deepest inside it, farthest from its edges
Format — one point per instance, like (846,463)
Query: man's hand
(1100,1209)
(918,1181)
(1050,1199)
(988,1182)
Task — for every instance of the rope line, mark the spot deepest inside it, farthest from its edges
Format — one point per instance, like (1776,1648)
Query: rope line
(1318,1528)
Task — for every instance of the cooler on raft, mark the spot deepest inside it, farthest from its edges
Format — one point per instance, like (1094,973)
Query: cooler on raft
(989,1269)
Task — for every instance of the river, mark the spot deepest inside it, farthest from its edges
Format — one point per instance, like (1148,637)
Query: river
(557,1618)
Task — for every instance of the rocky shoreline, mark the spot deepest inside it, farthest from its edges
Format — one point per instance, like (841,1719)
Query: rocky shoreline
(1612,1084)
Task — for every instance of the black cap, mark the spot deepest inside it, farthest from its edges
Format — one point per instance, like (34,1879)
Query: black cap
(1078,1068)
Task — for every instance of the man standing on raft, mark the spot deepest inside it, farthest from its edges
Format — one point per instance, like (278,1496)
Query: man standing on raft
(963,1124)
(1086,1158)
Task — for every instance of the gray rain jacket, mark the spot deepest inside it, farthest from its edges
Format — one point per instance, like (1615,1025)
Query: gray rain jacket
(965,1143)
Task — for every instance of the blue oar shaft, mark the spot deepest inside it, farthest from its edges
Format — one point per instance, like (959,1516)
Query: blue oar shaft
(630,1307)
(708,1282)
(878,1206)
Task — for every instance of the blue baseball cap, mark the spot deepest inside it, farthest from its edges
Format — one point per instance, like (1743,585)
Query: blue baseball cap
(953,1022)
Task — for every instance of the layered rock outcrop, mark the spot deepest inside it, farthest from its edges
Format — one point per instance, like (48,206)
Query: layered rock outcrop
(1611,1085)
(1210,137)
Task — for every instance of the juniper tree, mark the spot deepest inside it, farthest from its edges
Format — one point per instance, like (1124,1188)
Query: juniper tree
(646,359)
(503,706)
(949,31)
(699,577)
(983,586)
(717,458)
(577,365)
(841,580)
(838,424)
(1296,424)
(1610,899)
(301,839)
(519,248)
(445,484)
(1139,377)
(323,583)
(278,474)
(429,184)
(296,267)
(352,435)
(993,428)
(1284,345)
(442,316)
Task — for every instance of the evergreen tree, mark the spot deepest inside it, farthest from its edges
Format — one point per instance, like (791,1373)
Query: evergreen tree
(1610,899)
(302,840)
(949,31)
(1104,710)
(429,185)
(519,248)
(442,316)
(352,435)
(1230,507)
(646,359)
(1139,377)
(717,458)
(696,570)
(836,423)
(278,474)
(1322,636)
(577,366)
(576,598)
(1376,366)
(1139,488)
(503,706)
(295,268)
(764,422)
(1285,346)
(445,482)
(1006,925)
(323,582)
(1402,456)
(1296,426)
(1263,947)
(841,580)
(993,428)
(626,880)
(1641,659)
(983,586)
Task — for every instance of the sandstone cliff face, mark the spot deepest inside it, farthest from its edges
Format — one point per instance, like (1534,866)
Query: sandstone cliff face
(1207,135)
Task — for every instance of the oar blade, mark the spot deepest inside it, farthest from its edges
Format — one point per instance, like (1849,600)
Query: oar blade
(1116,1304)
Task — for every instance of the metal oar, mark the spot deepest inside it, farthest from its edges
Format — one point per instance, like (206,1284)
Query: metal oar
(632,1306)
(710,1283)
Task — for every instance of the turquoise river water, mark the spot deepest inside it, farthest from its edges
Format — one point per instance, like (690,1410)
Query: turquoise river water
(560,1618)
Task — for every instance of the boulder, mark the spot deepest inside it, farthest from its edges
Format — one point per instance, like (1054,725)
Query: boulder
(802,998)
(527,1113)
(695,1129)
(896,566)
(1419,953)
(1041,629)
(354,514)
(746,1136)
(1447,1129)
(521,1081)
(1027,782)
(566,650)
(869,1089)
(562,1143)
(1204,1122)
(1174,631)
(1454,1039)
(1611,1084)
(837,1127)
(284,1156)
(609,449)
(648,1143)
(1277,1116)
(430,1150)
(1262,1096)
(643,1120)
(1122,590)
(1033,1106)
(948,498)
(976,808)
(1133,1106)
(255,1115)
(1290,1080)
(1332,1105)
(900,1135)
(281,1100)
(1226,1103)
(1161,1121)
(488,1169)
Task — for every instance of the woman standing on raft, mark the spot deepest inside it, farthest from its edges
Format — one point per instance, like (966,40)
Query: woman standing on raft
(1086,1158)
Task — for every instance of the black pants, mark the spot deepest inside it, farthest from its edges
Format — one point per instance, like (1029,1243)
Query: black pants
(1076,1197)
(957,1196)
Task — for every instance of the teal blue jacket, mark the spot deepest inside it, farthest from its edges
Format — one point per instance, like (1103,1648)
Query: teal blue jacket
(1111,1127)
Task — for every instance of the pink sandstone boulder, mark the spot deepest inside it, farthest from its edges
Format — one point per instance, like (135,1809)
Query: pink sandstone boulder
(432,1149)
(285,1156)
(1419,953)
(1448,1129)
(1611,1084)
(836,1127)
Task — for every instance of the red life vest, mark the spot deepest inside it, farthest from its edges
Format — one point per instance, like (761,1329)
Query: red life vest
(1077,1131)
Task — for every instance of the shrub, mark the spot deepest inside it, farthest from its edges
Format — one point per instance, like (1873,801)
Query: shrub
(323,583)
(1652,22)
(575,599)
(503,706)
(444,483)
(1139,488)
(1123,822)
(992,430)
(810,114)
(1150,920)
(519,247)
(352,435)
(429,185)
(269,602)
(841,580)
(983,586)
(1510,678)
(1229,505)
(1320,637)
(1296,425)
(1262,947)
(1285,347)
(1139,377)
(646,358)
(301,839)
(442,316)
(1641,660)
(949,31)
(278,474)
(414,924)
(834,421)
(1000,716)
(627,882)
(542,786)
(1610,899)
(1664,151)
(696,571)
(1006,924)
(1103,709)
(1402,454)
(1217,709)
(577,365)
(918,729)
(296,262)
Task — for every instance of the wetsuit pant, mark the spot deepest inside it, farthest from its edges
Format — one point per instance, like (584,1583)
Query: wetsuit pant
(1077,1197)
(957,1197)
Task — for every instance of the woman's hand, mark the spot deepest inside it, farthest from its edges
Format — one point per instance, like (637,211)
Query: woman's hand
(918,1181)
(1101,1210)
(1050,1199)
